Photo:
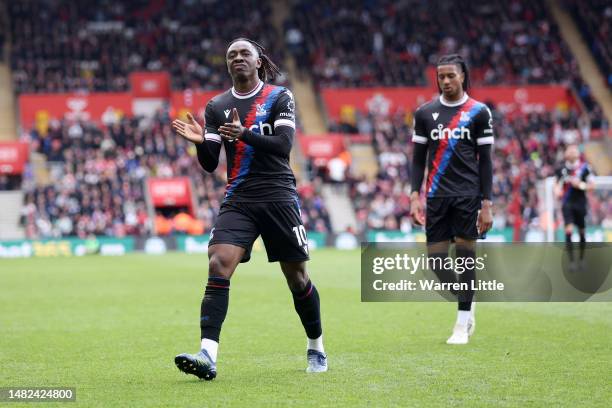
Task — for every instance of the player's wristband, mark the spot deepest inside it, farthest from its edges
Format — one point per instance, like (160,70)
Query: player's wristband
(582,185)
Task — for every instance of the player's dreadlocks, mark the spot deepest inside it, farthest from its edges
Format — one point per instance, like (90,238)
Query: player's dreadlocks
(268,69)
(456,59)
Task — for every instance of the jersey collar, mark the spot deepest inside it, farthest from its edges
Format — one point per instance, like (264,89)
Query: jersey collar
(247,95)
(453,104)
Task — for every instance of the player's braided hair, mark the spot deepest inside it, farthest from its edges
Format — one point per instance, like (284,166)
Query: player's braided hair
(268,70)
(456,59)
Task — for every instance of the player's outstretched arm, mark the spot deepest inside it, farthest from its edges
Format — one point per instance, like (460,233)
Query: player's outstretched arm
(208,148)
(191,131)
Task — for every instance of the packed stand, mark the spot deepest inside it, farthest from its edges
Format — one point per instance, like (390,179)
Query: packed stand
(62,45)
(98,176)
(391,43)
(312,206)
(528,148)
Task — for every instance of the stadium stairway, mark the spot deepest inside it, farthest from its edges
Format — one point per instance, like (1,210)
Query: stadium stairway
(8,118)
(310,114)
(588,67)
(9,216)
(309,109)
(8,124)
(40,169)
(340,207)
(598,155)
(363,161)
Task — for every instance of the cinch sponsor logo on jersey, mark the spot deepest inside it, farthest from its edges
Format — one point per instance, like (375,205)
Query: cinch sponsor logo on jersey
(447,133)
(262,128)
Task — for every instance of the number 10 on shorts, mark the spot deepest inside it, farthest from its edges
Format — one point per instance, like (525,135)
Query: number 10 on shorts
(300,235)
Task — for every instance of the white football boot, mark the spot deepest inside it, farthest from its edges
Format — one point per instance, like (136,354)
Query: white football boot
(460,335)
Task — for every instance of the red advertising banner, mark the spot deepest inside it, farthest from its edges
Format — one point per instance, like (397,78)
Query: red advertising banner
(94,106)
(191,101)
(150,84)
(170,192)
(322,146)
(13,157)
(507,99)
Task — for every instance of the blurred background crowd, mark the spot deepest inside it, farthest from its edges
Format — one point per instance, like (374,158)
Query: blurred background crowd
(98,169)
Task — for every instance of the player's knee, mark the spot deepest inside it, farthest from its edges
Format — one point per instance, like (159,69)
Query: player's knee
(438,247)
(299,283)
(297,277)
(219,267)
(569,228)
(465,244)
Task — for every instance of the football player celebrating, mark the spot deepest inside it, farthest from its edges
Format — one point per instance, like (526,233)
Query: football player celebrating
(255,121)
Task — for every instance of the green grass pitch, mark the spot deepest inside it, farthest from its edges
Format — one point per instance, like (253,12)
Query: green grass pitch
(111,327)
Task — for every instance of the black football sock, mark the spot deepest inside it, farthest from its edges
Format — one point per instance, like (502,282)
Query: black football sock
(214,308)
(582,245)
(568,246)
(468,276)
(437,264)
(307,306)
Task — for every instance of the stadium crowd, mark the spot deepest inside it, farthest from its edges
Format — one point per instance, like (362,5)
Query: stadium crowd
(528,148)
(392,43)
(59,45)
(62,45)
(99,172)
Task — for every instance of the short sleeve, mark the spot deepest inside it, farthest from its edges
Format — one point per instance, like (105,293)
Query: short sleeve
(284,113)
(484,127)
(211,131)
(419,133)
